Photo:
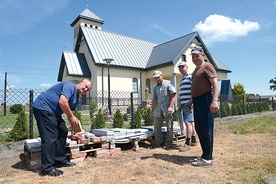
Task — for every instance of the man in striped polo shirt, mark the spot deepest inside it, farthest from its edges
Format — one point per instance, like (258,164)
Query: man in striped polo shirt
(186,114)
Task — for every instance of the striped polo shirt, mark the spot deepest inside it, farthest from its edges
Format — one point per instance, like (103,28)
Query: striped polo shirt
(185,89)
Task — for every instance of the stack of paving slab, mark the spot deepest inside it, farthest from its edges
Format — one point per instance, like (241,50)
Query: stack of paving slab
(120,135)
(176,131)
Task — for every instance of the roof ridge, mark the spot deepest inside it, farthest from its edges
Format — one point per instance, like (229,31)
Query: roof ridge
(176,38)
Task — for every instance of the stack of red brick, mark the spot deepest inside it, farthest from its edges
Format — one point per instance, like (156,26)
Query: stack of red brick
(78,149)
(97,147)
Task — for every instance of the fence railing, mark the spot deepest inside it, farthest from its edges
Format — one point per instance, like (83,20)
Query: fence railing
(238,105)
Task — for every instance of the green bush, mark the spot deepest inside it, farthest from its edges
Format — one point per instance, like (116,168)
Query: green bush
(225,109)
(78,115)
(16,108)
(137,119)
(148,121)
(175,115)
(248,109)
(20,130)
(118,120)
(234,110)
(240,109)
(93,107)
(99,121)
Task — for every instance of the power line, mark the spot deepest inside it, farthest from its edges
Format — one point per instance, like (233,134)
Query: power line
(33,73)
(25,67)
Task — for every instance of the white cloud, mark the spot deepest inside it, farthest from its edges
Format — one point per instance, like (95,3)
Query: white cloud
(217,28)
(45,85)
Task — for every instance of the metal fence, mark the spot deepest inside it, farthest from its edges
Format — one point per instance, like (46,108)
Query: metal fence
(121,100)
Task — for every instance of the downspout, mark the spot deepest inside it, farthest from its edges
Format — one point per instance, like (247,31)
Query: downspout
(102,87)
(141,96)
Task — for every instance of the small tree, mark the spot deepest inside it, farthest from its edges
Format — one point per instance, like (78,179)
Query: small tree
(234,110)
(16,108)
(273,84)
(223,110)
(118,120)
(99,121)
(20,130)
(78,115)
(239,93)
(137,119)
(148,121)
(93,107)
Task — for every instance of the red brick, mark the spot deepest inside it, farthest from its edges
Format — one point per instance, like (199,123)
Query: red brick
(115,152)
(78,155)
(73,142)
(84,141)
(103,138)
(95,139)
(105,155)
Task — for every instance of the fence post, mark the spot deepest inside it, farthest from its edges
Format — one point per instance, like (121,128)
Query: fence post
(131,110)
(273,106)
(243,105)
(5,95)
(31,113)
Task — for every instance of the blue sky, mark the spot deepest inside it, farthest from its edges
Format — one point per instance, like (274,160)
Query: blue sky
(241,34)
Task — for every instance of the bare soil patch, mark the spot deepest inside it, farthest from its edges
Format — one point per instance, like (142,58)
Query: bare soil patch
(232,153)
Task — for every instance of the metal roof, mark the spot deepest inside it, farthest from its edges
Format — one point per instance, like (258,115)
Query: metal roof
(75,63)
(170,51)
(220,65)
(89,15)
(126,51)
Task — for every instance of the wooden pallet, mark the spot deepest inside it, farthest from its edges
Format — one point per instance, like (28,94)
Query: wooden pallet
(74,152)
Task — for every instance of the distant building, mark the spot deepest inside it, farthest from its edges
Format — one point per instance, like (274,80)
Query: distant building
(262,98)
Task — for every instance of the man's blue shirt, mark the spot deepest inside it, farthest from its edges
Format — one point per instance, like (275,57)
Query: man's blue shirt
(48,100)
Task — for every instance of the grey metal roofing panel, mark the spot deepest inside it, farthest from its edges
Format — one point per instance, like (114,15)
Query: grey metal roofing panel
(126,51)
(220,65)
(169,51)
(76,64)
(88,14)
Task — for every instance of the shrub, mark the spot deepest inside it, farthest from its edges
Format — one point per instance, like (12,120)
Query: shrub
(240,109)
(137,119)
(92,109)
(223,110)
(118,120)
(16,108)
(234,110)
(20,130)
(78,115)
(99,121)
(175,115)
(148,121)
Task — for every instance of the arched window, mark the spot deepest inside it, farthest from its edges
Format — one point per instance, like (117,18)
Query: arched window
(148,85)
(135,85)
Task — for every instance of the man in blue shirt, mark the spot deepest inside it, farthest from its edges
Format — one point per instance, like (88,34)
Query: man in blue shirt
(162,108)
(48,109)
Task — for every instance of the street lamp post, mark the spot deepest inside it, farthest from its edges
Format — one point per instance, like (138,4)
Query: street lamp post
(108,61)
